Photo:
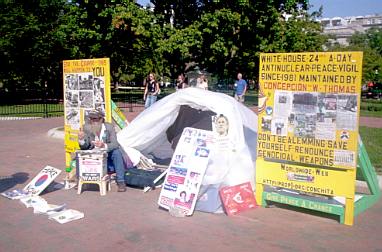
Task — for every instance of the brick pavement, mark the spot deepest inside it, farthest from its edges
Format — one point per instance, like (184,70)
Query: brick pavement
(132,221)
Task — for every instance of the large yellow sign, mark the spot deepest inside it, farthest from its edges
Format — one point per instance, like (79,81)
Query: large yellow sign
(308,122)
(86,87)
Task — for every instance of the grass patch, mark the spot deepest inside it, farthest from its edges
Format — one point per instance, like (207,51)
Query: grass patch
(371,107)
(368,113)
(372,139)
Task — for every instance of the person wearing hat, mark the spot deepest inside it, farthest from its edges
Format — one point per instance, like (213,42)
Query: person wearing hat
(97,133)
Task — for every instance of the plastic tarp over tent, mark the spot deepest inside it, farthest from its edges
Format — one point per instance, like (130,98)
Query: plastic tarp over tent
(231,166)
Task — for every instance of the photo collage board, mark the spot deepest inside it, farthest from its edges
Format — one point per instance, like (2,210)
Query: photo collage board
(86,87)
(308,119)
(186,170)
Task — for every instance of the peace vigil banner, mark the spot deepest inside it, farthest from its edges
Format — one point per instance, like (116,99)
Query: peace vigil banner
(308,121)
(86,87)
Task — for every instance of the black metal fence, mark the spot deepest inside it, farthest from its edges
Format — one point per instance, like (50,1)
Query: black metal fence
(39,109)
(41,103)
(128,98)
(30,103)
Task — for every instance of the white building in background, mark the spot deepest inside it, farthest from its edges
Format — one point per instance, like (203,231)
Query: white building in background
(343,28)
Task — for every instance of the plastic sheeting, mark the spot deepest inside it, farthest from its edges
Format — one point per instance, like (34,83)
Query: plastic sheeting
(147,132)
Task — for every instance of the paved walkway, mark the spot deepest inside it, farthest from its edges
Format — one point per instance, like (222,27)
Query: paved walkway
(132,221)
(372,122)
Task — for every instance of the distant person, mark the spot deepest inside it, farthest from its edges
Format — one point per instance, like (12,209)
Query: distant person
(151,91)
(99,134)
(240,88)
(202,82)
(181,82)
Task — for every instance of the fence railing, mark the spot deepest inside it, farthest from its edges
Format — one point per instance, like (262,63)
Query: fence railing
(129,100)
(34,109)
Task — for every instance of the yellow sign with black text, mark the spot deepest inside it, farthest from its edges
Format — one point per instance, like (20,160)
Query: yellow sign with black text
(86,87)
(309,107)
(307,179)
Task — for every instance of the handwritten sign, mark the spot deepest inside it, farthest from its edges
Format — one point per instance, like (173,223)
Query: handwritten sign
(92,164)
(308,122)
(86,87)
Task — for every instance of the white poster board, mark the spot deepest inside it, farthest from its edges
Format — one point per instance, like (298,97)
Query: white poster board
(41,180)
(185,173)
(92,164)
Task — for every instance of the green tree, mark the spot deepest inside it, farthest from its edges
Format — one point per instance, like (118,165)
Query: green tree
(370,43)
(300,32)
(181,13)
(229,35)
(29,46)
(221,36)
(120,30)
(135,38)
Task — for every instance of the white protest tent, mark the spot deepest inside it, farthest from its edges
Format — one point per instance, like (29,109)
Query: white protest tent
(147,132)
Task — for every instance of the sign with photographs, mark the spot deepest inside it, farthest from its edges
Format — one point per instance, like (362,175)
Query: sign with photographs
(86,87)
(308,121)
(185,174)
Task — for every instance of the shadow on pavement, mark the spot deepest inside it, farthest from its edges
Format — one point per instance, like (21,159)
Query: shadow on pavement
(8,182)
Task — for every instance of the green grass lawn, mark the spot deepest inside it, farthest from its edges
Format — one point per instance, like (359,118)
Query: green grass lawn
(371,113)
(372,139)
(371,107)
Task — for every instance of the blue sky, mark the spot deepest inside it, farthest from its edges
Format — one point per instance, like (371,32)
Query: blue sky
(143,2)
(341,8)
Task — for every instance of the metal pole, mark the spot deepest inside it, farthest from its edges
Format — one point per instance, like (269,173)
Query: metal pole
(46,98)
(131,101)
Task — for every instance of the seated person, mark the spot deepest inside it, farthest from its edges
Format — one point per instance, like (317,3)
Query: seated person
(97,133)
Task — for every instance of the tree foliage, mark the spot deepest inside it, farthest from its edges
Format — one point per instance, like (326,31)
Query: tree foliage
(370,43)
(222,37)
(120,30)
(227,36)
(29,46)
